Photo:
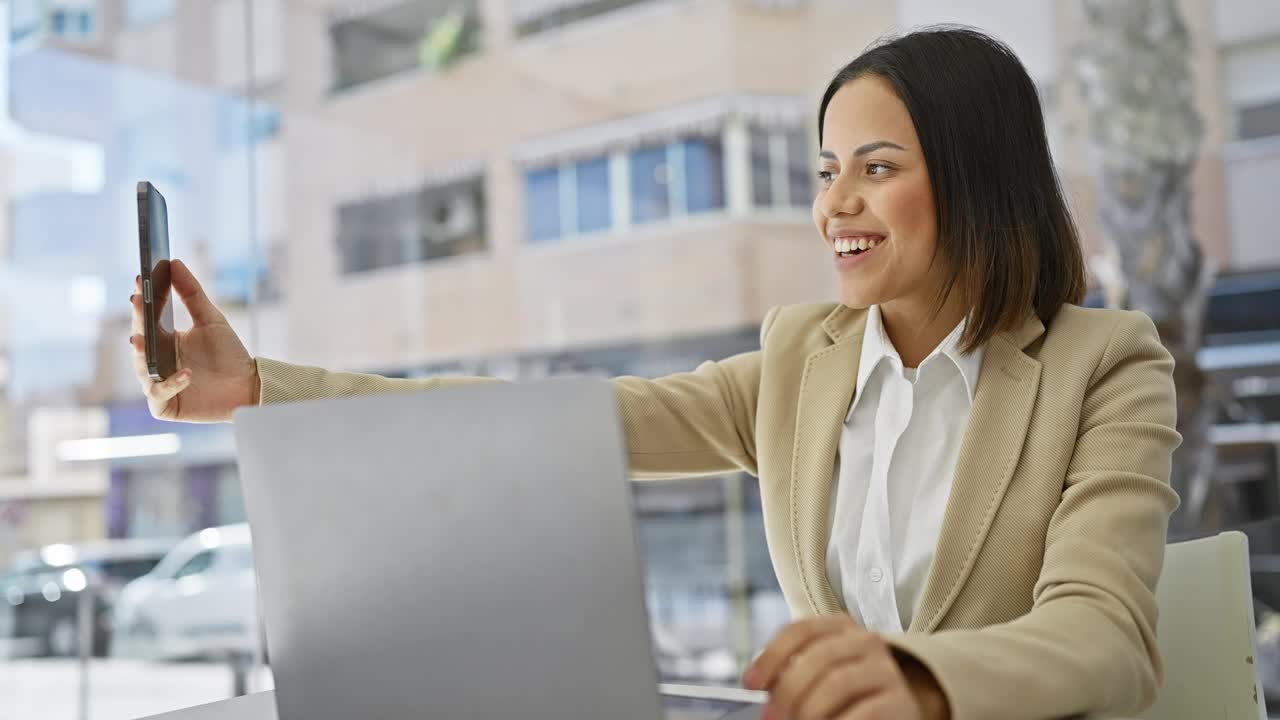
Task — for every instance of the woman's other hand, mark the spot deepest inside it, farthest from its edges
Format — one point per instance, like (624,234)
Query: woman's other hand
(832,668)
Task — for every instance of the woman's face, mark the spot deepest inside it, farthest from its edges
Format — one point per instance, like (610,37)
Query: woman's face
(874,207)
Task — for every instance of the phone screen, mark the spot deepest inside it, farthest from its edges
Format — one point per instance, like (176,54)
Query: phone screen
(153,237)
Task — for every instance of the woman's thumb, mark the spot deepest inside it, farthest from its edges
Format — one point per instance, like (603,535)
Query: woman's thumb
(188,288)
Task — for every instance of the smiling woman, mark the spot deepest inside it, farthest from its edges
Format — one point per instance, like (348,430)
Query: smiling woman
(963,474)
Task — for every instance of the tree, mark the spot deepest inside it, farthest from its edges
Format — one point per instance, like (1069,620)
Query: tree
(1135,76)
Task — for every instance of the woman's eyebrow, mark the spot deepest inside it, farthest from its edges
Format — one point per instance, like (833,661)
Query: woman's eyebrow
(863,150)
(877,145)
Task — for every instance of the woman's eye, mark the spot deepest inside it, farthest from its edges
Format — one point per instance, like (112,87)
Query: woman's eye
(826,176)
(877,169)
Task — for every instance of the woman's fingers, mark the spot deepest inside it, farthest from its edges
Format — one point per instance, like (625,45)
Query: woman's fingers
(135,302)
(160,393)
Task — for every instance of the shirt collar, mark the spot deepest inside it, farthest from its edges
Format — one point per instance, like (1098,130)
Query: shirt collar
(877,347)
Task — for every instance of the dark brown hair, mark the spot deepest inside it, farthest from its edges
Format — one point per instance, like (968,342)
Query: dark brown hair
(1004,230)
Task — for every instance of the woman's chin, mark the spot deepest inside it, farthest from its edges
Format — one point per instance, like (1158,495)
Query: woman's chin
(857,300)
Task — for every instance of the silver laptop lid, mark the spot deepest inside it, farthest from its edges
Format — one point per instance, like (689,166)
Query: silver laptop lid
(462,553)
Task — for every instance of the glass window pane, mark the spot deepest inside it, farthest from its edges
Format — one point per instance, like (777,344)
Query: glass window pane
(403,36)
(450,220)
(649,180)
(800,174)
(435,222)
(1258,121)
(594,196)
(542,204)
(704,174)
(761,169)
(328,228)
(199,563)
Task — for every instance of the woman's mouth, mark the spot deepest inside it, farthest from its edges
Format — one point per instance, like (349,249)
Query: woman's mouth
(854,246)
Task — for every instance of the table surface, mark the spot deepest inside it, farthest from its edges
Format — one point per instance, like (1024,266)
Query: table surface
(257,706)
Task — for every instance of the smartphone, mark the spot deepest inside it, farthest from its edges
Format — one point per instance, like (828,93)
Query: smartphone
(157,310)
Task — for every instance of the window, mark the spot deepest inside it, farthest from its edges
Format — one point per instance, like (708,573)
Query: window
(71,21)
(432,223)
(542,16)
(199,563)
(1252,87)
(140,12)
(650,181)
(781,168)
(428,34)
(799,168)
(686,176)
(1256,121)
(542,202)
(126,570)
(664,180)
(704,174)
(593,195)
(671,198)
(570,199)
(29,20)
(761,169)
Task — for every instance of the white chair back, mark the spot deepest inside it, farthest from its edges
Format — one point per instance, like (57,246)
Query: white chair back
(1206,633)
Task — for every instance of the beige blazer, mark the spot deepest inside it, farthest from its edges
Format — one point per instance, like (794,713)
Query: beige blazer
(1040,600)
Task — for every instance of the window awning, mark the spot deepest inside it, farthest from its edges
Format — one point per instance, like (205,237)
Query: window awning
(702,117)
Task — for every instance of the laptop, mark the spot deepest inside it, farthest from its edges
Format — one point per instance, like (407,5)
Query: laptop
(468,552)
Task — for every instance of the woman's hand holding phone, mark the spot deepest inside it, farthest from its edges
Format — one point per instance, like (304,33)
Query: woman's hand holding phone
(216,375)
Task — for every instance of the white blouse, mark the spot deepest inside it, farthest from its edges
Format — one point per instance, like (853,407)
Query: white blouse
(894,471)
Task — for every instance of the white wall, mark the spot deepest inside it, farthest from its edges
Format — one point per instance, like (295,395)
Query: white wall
(1026,25)
(1253,174)
(1238,21)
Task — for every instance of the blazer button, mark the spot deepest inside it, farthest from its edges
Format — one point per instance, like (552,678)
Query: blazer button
(876,575)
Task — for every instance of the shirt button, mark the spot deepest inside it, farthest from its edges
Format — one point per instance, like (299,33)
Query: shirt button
(876,575)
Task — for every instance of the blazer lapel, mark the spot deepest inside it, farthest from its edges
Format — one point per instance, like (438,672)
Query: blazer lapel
(997,429)
(826,391)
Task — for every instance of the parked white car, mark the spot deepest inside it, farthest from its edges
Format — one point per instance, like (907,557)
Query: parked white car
(200,601)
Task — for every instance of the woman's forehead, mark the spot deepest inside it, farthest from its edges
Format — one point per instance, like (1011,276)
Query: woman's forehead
(863,111)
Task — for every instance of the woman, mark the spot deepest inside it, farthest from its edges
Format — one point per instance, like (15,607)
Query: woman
(964,475)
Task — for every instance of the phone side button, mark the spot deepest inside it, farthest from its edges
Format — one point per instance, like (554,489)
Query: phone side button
(146,291)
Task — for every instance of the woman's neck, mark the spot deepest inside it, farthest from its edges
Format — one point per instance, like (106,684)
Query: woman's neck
(913,329)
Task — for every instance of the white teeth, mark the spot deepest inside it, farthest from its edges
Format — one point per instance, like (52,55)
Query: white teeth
(844,245)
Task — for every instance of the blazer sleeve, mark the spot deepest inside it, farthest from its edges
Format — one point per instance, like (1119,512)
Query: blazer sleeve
(1088,646)
(694,423)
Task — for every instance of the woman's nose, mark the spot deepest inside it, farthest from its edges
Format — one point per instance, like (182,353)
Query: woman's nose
(842,199)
